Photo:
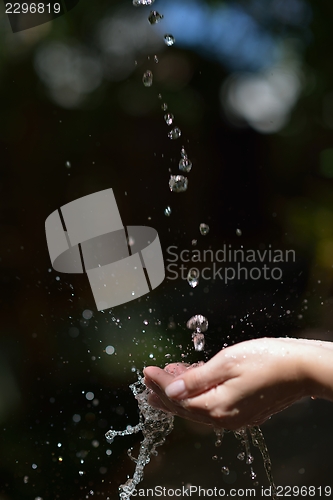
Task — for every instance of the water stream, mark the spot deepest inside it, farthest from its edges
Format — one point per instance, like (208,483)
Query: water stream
(156,425)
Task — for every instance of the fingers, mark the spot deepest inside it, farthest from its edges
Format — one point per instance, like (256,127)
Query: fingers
(197,380)
(178,382)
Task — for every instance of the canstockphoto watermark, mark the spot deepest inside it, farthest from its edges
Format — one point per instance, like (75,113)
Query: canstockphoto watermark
(122,263)
(227,263)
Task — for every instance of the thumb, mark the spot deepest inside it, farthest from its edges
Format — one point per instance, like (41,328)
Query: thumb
(195,381)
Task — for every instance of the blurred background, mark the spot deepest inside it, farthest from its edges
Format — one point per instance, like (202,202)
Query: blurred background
(250,85)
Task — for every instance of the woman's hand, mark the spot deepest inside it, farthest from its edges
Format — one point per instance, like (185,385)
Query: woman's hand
(243,384)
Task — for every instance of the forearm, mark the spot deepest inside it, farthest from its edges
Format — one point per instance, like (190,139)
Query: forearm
(316,364)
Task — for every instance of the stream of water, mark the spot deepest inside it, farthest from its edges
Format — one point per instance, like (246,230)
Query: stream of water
(156,425)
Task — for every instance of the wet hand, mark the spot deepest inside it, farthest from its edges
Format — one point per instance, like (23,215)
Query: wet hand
(242,385)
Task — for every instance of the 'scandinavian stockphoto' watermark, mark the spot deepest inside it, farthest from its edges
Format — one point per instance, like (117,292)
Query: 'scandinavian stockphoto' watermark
(227,263)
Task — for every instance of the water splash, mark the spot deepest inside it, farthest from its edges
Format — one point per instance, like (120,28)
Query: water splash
(154,424)
(258,441)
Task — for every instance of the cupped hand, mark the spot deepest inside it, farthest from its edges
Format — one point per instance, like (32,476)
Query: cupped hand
(243,384)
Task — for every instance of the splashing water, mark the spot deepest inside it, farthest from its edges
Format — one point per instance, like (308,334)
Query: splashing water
(154,424)
(258,441)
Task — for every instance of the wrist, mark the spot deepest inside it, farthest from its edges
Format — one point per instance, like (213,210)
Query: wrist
(316,372)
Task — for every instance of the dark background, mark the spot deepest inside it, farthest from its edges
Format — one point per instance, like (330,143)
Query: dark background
(251,86)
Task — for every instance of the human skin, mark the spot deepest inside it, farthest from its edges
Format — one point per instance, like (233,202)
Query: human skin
(246,383)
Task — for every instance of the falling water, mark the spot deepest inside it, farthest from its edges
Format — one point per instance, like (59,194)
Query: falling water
(199,324)
(156,425)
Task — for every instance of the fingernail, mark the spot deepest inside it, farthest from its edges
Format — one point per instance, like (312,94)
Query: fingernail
(176,389)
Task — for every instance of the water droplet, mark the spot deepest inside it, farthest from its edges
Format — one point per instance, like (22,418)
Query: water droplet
(68,164)
(156,59)
(204,229)
(185,164)
(147,78)
(169,40)
(225,471)
(155,17)
(214,457)
(194,242)
(193,277)
(175,133)
(241,455)
(238,232)
(178,183)
(164,106)
(198,323)
(249,459)
(169,118)
(145,322)
(26,479)
(253,475)
(167,211)
(183,152)
(218,443)
(198,341)
(137,3)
